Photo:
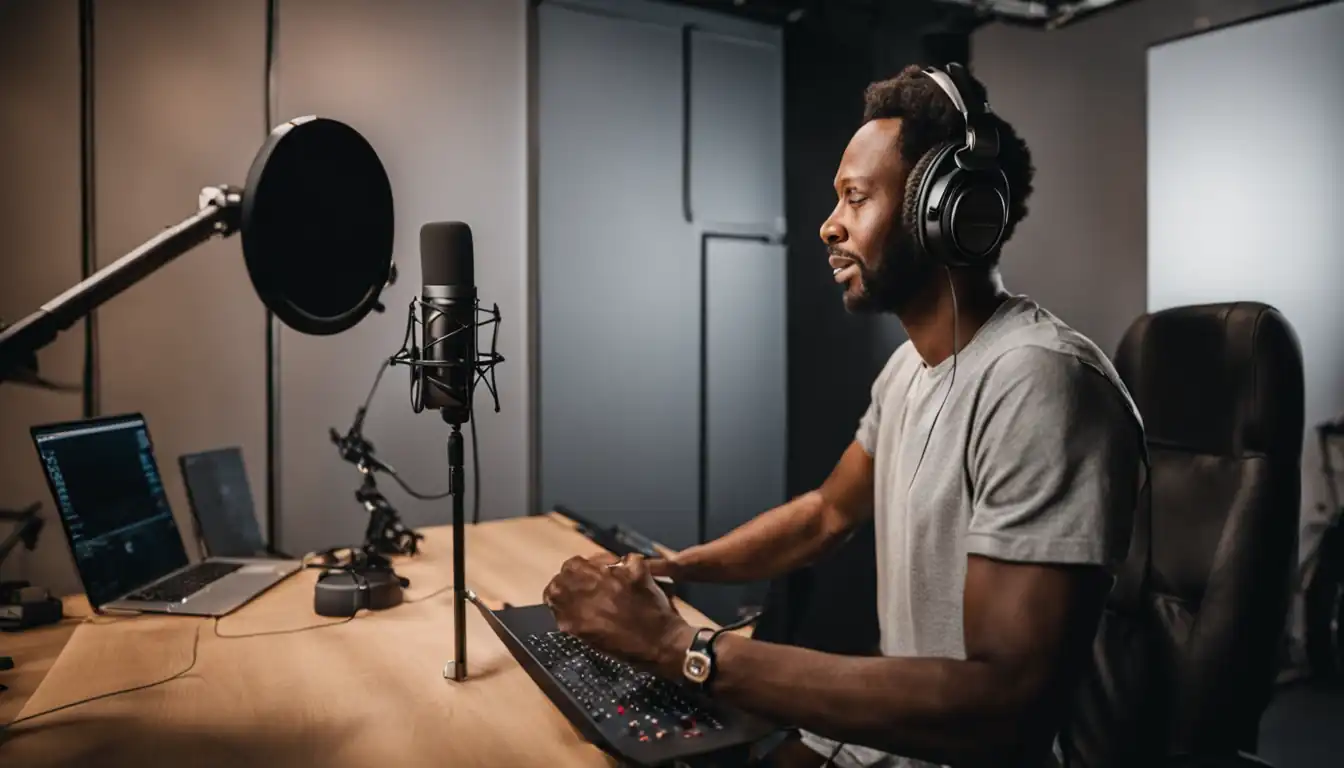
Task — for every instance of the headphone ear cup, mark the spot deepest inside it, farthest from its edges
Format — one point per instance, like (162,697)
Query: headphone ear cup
(918,187)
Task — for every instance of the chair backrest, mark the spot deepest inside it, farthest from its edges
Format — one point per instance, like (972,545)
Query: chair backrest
(1187,667)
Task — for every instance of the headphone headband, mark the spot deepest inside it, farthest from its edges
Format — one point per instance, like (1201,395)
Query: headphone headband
(981,148)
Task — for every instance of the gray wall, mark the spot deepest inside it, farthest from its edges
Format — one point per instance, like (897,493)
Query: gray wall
(178,105)
(627,221)
(438,88)
(40,254)
(1077,95)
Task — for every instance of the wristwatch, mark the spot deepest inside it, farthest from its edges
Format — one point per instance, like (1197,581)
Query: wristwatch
(698,666)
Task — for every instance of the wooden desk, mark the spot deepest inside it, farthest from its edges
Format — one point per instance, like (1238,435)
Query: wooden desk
(368,692)
(34,652)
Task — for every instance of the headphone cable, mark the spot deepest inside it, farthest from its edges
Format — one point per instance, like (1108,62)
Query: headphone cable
(952,380)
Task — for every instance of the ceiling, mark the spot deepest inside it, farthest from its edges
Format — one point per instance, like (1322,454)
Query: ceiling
(1045,14)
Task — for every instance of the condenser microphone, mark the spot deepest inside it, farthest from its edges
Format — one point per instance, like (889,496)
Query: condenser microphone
(449,319)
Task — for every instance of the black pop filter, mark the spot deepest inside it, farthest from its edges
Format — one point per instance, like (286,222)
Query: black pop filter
(317,225)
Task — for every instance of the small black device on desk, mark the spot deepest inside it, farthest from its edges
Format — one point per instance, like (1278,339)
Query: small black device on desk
(22,605)
(629,714)
(617,539)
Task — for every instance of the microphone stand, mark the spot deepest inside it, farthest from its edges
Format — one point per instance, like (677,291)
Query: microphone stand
(455,415)
(457,666)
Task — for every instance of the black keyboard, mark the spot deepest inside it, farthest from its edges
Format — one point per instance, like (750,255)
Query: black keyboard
(185,584)
(646,706)
(630,714)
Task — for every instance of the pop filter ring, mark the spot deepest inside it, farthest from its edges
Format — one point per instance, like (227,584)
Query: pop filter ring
(317,193)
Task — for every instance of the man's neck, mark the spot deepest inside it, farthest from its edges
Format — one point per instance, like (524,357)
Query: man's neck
(929,320)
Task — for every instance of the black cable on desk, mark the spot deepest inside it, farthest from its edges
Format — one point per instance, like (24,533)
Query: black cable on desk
(195,646)
(423,598)
(290,631)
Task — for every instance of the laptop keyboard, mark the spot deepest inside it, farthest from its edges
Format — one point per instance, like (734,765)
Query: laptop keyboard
(186,583)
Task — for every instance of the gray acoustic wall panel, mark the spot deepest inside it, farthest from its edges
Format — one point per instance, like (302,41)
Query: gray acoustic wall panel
(617,280)
(438,88)
(736,140)
(746,351)
(40,253)
(180,105)
(747,386)
(620,283)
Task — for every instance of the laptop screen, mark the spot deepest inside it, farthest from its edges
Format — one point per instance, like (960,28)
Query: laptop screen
(221,500)
(109,493)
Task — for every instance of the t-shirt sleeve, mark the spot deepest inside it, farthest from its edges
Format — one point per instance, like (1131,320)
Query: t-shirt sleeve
(1054,461)
(866,435)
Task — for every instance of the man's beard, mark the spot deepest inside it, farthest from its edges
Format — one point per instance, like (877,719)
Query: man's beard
(901,273)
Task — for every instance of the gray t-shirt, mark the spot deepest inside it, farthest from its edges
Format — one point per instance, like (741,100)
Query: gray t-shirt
(1026,447)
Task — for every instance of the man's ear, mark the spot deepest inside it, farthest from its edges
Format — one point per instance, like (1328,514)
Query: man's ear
(911,211)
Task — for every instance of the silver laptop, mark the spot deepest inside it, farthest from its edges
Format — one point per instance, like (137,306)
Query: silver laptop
(125,543)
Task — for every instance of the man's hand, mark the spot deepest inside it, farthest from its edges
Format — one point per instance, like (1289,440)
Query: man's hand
(667,566)
(616,607)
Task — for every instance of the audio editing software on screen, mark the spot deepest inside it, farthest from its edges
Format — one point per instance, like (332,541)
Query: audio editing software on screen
(111,499)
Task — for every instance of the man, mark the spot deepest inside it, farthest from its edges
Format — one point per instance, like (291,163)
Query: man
(1001,457)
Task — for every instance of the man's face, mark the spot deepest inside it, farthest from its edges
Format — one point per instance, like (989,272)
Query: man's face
(871,254)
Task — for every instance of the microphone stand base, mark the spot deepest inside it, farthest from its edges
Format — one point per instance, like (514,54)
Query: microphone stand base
(455,670)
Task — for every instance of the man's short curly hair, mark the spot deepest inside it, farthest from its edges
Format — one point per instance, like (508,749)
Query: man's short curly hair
(929,119)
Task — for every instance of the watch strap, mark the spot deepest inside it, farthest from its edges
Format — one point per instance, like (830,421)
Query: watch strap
(701,644)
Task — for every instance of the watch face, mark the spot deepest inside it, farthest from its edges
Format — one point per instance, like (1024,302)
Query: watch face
(696,667)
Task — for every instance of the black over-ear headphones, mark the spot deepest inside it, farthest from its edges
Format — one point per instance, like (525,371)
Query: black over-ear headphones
(957,196)
(342,591)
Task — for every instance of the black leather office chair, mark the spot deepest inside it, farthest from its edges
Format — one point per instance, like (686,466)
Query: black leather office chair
(1188,649)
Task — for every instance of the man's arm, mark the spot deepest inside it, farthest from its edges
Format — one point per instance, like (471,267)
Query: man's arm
(787,537)
(1027,630)
(795,534)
